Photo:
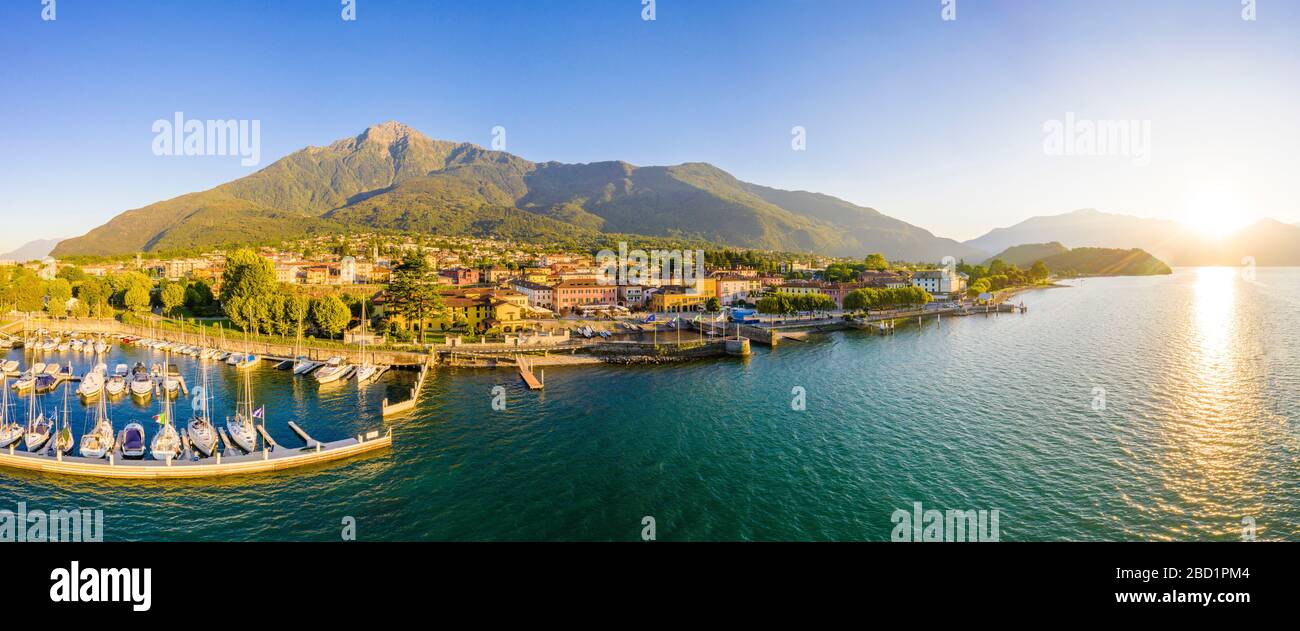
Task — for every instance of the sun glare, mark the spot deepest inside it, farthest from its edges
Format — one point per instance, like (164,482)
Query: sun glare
(1215,211)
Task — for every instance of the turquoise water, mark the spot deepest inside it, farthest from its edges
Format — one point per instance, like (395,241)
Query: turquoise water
(1199,372)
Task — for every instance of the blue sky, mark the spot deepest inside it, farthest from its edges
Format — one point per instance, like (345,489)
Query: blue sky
(936,122)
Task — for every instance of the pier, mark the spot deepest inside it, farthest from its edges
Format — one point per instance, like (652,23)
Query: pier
(386,409)
(526,372)
(274,459)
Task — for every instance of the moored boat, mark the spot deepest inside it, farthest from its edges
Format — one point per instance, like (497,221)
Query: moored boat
(98,441)
(133,441)
(241,428)
(10,431)
(333,370)
(37,432)
(202,435)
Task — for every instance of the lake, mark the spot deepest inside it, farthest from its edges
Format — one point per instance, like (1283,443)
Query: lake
(1151,408)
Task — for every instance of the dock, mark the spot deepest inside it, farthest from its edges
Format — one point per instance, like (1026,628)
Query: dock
(387,409)
(278,459)
(526,371)
(306,438)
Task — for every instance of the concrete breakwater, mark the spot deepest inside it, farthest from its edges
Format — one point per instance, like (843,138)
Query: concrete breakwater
(233,343)
(643,353)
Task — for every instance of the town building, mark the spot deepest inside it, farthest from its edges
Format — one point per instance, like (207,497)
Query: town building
(939,282)
(575,293)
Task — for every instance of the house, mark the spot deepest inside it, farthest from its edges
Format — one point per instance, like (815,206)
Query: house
(939,282)
(459,276)
(883,279)
(733,289)
(582,292)
(537,295)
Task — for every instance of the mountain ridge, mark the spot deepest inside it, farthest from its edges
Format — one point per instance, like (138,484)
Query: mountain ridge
(391,176)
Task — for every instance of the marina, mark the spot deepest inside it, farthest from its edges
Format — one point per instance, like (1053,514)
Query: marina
(161,377)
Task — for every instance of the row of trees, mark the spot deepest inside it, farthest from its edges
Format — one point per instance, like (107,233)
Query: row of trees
(999,275)
(254,301)
(885,298)
(781,303)
(24,290)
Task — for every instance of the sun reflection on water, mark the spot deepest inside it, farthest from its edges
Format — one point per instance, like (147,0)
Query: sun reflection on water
(1212,432)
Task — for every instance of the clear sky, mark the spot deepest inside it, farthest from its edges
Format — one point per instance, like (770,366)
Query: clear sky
(939,123)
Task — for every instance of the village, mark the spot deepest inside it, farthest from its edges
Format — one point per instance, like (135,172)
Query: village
(489,287)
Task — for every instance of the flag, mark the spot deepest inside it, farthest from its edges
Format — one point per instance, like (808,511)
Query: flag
(260,412)
(650,318)
(722,317)
(696,319)
(161,419)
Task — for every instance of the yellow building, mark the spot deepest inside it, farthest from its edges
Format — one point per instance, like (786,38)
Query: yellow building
(477,310)
(676,298)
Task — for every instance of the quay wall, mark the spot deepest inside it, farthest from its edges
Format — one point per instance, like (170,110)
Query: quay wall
(232,343)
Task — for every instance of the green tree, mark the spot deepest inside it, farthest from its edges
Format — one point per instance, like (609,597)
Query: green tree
(173,298)
(713,304)
(247,276)
(198,295)
(877,261)
(331,315)
(1039,272)
(413,291)
(58,293)
(136,298)
(29,293)
(296,310)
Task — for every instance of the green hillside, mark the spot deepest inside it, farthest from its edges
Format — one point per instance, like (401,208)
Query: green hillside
(1105,262)
(1025,255)
(391,177)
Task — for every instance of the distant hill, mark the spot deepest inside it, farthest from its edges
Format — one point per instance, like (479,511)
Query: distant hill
(1105,262)
(391,177)
(1025,255)
(1083,228)
(32,250)
(1267,242)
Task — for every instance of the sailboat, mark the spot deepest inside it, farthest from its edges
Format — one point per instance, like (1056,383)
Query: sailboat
(167,442)
(63,439)
(367,370)
(99,440)
(10,431)
(38,429)
(241,427)
(203,436)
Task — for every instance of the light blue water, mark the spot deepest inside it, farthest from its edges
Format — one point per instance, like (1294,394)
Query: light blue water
(1199,372)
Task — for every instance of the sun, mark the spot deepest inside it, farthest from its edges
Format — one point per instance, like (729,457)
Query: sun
(1215,211)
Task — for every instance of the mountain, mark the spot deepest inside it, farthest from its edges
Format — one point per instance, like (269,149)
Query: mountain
(1025,255)
(32,250)
(1268,242)
(391,177)
(1087,227)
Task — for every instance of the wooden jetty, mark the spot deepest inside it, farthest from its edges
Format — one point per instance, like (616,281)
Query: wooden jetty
(526,371)
(276,458)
